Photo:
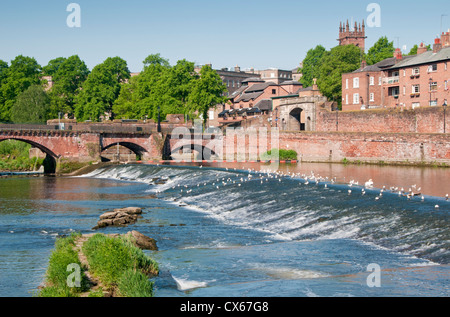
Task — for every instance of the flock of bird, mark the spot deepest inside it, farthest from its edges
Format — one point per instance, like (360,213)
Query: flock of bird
(266,175)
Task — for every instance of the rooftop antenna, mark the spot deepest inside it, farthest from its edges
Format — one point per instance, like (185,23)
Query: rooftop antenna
(442,15)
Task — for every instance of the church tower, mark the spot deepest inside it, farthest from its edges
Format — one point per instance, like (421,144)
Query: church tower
(357,36)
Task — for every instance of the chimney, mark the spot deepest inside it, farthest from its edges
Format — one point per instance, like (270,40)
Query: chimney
(398,54)
(437,45)
(445,39)
(422,49)
(363,64)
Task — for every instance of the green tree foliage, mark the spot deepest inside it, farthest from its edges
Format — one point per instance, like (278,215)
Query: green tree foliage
(101,89)
(68,78)
(311,65)
(334,63)
(23,72)
(414,49)
(174,89)
(53,66)
(32,106)
(207,92)
(381,50)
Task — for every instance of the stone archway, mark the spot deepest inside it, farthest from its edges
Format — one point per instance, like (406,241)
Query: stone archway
(295,120)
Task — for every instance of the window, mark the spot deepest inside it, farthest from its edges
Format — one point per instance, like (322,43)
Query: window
(372,81)
(404,72)
(346,83)
(432,68)
(272,75)
(211,115)
(346,99)
(274,91)
(356,99)
(433,86)
(416,71)
(372,96)
(415,105)
(415,89)
(379,81)
(404,90)
(394,91)
(433,102)
(446,85)
(356,82)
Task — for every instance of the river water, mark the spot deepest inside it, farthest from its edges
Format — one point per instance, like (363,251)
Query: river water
(242,230)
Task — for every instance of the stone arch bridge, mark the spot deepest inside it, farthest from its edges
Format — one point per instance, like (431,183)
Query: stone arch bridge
(84,143)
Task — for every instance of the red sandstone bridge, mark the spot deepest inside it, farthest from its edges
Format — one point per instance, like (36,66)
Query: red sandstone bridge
(86,142)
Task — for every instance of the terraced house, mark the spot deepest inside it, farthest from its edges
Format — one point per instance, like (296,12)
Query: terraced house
(401,81)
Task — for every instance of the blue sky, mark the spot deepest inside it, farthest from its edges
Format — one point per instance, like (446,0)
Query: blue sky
(248,33)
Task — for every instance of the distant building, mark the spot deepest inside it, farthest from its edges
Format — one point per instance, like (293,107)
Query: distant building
(356,37)
(401,81)
(275,75)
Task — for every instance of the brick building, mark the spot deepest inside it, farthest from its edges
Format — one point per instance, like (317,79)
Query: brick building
(401,81)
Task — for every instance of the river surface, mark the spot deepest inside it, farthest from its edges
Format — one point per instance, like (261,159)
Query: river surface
(244,230)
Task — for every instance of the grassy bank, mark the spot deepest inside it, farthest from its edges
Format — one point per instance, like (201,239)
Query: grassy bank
(116,265)
(14,156)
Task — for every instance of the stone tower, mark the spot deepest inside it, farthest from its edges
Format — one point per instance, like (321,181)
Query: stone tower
(357,36)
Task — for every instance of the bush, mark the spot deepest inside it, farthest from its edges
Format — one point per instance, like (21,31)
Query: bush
(57,274)
(111,258)
(135,284)
(276,154)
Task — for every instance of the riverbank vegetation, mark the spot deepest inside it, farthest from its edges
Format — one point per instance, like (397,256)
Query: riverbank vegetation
(279,154)
(113,264)
(14,156)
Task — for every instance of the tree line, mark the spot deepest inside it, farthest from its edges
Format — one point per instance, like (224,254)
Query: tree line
(108,91)
(328,66)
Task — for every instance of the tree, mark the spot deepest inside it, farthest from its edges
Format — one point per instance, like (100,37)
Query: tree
(53,66)
(381,50)
(31,106)
(311,65)
(68,79)
(334,63)
(207,92)
(101,89)
(414,49)
(23,72)
(155,59)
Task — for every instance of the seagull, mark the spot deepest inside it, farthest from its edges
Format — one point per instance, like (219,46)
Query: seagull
(369,184)
(436,206)
(349,191)
(446,197)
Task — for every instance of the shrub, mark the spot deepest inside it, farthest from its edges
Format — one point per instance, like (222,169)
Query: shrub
(276,154)
(111,258)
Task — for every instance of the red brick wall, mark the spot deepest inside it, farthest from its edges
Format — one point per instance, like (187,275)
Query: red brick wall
(334,147)
(421,120)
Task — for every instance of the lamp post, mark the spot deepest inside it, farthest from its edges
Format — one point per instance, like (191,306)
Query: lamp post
(445,106)
(159,120)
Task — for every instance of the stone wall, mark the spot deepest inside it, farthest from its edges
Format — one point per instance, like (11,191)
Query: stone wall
(421,120)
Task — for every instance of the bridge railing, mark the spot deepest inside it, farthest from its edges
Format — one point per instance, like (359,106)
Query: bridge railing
(90,128)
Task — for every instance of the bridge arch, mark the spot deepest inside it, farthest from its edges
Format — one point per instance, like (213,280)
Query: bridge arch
(135,148)
(50,159)
(204,153)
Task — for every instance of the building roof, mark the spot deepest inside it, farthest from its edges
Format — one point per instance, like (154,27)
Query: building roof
(424,58)
(249,96)
(264,105)
(259,87)
(253,79)
(291,82)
